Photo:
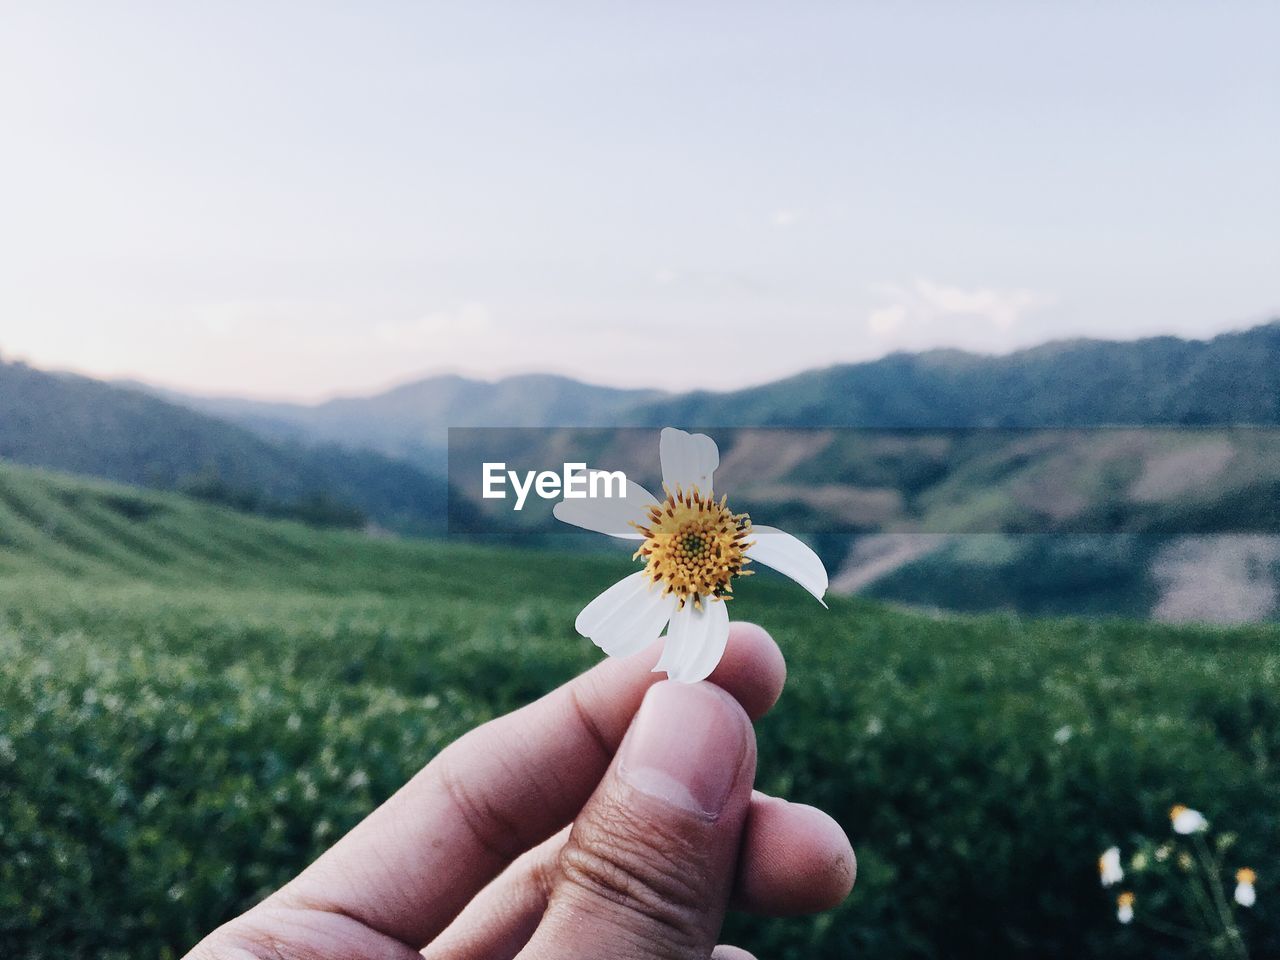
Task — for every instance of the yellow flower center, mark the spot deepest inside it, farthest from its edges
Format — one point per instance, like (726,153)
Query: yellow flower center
(1245,875)
(1177,810)
(1125,899)
(694,546)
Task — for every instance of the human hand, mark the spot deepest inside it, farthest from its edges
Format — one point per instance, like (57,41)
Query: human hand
(583,826)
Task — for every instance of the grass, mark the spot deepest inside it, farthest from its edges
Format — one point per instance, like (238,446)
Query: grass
(194,703)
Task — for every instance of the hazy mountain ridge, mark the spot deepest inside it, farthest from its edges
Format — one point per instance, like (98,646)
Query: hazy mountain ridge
(410,421)
(287,452)
(80,425)
(1232,378)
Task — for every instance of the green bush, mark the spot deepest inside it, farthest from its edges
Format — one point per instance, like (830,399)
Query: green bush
(194,704)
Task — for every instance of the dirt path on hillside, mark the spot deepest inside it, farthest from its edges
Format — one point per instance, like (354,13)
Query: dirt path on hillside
(1225,579)
(877,556)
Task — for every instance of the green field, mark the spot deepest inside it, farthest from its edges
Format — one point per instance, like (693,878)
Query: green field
(193,703)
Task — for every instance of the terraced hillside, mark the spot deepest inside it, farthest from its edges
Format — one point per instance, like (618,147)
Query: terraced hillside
(62,421)
(194,702)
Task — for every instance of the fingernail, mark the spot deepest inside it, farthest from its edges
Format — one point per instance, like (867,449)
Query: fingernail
(685,747)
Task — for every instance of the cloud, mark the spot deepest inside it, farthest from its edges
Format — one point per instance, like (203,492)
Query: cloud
(786,217)
(430,329)
(239,318)
(886,321)
(927,313)
(706,282)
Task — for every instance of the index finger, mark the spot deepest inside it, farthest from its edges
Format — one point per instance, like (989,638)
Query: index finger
(415,862)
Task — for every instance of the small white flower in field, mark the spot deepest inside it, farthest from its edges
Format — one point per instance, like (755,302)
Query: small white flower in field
(1246,895)
(1063,734)
(1124,907)
(1138,861)
(1185,820)
(1109,866)
(1163,851)
(693,547)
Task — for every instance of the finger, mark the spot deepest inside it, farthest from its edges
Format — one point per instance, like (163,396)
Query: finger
(794,859)
(499,921)
(280,932)
(726,952)
(409,867)
(648,867)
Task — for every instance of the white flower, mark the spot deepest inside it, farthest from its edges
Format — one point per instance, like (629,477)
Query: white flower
(1109,866)
(1124,907)
(1246,895)
(693,547)
(1185,820)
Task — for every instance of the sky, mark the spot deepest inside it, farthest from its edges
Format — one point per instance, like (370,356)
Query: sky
(296,200)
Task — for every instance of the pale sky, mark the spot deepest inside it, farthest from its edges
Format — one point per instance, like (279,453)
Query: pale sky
(300,199)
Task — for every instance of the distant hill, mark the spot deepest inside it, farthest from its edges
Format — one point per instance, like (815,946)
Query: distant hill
(890,510)
(410,421)
(1231,379)
(76,424)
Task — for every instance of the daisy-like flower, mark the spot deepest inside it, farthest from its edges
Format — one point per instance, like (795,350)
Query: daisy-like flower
(1186,821)
(1109,866)
(1124,907)
(1246,895)
(693,547)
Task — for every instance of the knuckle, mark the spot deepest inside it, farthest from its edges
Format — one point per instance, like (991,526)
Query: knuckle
(491,828)
(275,932)
(240,941)
(647,873)
(542,875)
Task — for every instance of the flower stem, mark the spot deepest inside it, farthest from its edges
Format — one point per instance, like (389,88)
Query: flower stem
(1213,879)
(1168,929)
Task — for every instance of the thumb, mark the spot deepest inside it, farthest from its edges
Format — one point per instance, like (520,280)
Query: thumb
(648,867)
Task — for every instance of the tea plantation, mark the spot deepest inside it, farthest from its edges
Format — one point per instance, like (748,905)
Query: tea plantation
(194,703)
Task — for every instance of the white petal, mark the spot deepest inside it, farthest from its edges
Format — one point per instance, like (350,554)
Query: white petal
(611,515)
(670,648)
(688,460)
(789,556)
(1189,821)
(627,617)
(695,641)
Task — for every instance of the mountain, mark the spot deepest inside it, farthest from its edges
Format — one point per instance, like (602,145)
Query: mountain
(410,421)
(1232,378)
(894,515)
(79,425)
